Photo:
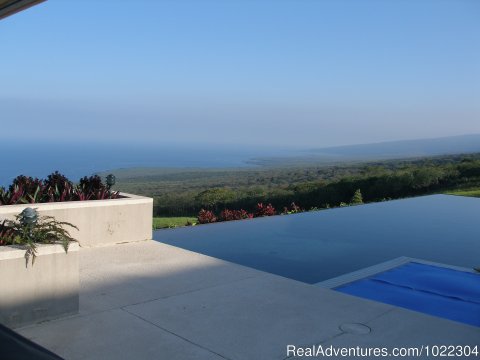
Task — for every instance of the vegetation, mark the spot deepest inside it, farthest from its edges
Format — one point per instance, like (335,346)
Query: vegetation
(207,216)
(475,192)
(56,187)
(184,192)
(173,222)
(29,230)
(357,198)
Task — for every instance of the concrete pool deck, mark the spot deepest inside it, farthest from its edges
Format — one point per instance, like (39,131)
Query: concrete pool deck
(149,300)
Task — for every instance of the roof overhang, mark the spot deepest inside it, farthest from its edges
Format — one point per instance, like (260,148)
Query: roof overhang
(10,7)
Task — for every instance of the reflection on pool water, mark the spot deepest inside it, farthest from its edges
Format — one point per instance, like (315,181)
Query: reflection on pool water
(316,246)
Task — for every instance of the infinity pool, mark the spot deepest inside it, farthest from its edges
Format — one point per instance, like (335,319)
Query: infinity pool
(316,246)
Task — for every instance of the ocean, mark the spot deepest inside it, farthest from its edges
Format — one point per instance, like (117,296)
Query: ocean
(76,159)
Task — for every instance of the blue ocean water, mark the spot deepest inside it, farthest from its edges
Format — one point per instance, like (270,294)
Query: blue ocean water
(78,159)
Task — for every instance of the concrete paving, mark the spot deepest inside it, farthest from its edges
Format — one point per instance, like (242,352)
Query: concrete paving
(149,300)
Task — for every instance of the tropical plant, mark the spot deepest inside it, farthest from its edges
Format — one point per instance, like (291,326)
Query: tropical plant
(206,217)
(55,188)
(228,215)
(265,210)
(28,230)
(91,184)
(27,189)
(93,188)
(6,233)
(58,188)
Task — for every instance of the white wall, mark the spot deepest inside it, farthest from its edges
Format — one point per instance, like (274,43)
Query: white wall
(100,222)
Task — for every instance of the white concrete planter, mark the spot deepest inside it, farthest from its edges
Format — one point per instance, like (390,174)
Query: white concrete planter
(44,291)
(100,222)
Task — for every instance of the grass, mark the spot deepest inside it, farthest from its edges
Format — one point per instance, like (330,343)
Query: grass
(172,222)
(475,192)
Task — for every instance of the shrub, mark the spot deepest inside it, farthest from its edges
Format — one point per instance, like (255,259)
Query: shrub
(91,184)
(265,210)
(228,215)
(243,214)
(6,233)
(206,217)
(293,209)
(93,188)
(56,187)
(23,190)
(58,181)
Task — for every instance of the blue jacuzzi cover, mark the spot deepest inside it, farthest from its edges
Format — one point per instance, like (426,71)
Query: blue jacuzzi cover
(433,290)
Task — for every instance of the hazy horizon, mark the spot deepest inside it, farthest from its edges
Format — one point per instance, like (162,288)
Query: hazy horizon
(289,74)
(78,158)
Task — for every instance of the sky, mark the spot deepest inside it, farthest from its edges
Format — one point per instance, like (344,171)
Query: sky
(298,73)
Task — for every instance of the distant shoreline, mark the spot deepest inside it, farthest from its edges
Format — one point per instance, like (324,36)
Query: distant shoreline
(77,160)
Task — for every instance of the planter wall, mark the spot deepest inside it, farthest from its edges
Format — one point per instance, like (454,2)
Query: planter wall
(44,291)
(100,222)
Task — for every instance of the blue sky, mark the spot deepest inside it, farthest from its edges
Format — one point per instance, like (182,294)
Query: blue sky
(300,73)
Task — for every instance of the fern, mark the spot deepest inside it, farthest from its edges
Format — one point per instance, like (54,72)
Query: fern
(47,230)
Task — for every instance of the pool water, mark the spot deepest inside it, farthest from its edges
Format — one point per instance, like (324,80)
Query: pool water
(316,246)
(433,290)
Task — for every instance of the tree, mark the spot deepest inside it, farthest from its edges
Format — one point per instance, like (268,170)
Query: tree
(213,198)
(357,198)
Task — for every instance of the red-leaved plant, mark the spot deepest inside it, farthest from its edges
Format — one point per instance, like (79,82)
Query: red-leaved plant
(265,210)
(229,215)
(7,234)
(55,188)
(206,217)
